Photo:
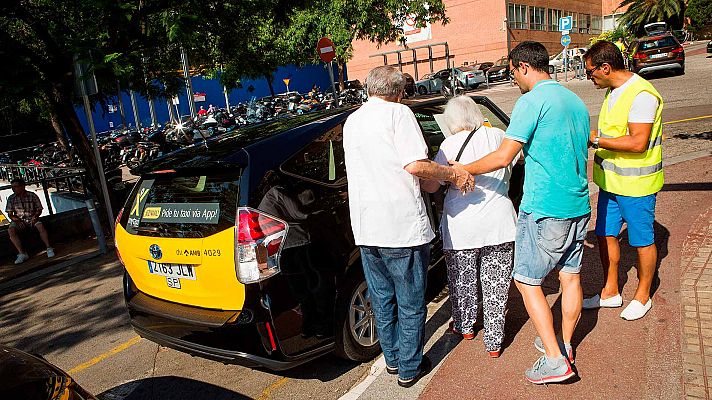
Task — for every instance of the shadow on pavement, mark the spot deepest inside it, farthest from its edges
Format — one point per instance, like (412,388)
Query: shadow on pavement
(703,135)
(56,312)
(687,187)
(169,388)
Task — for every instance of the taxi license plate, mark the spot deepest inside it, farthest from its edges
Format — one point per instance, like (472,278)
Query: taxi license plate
(661,55)
(175,271)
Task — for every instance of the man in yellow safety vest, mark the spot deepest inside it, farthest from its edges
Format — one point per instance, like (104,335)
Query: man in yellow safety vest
(628,169)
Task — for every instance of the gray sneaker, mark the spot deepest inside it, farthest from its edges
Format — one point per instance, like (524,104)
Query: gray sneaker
(565,348)
(541,372)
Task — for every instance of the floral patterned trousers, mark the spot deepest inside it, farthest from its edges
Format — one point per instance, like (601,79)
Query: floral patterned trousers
(493,266)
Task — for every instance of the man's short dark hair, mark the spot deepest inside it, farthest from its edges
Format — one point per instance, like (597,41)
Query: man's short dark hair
(532,53)
(19,181)
(605,52)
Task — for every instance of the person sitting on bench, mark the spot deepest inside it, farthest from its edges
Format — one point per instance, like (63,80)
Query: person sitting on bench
(24,209)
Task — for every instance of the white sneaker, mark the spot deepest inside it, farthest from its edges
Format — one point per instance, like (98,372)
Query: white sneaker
(636,310)
(50,252)
(596,302)
(22,257)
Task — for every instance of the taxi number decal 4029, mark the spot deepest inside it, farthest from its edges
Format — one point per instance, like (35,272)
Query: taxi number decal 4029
(211,253)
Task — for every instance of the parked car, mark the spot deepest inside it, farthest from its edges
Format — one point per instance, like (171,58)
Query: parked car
(656,28)
(656,53)
(469,76)
(499,71)
(27,377)
(240,250)
(556,62)
(409,85)
(709,46)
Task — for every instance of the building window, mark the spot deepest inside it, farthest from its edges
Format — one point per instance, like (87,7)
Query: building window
(610,22)
(536,18)
(517,16)
(574,20)
(584,23)
(554,16)
(596,24)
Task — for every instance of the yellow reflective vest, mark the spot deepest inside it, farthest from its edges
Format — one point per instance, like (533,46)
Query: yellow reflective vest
(625,173)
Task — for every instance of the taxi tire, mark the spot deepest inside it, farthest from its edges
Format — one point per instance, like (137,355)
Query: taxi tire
(346,345)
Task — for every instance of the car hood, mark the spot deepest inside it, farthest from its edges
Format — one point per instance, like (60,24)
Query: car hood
(25,374)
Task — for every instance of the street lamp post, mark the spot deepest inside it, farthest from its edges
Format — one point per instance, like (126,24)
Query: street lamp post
(188,82)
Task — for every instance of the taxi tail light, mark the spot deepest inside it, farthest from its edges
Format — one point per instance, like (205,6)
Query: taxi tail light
(640,56)
(677,50)
(258,243)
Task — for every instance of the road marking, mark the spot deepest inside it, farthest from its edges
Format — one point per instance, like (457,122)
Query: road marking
(98,359)
(687,119)
(276,385)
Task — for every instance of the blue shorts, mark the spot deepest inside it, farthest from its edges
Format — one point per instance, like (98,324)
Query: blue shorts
(637,212)
(547,243)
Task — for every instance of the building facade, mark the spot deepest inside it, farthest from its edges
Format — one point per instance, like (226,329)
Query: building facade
(483,30)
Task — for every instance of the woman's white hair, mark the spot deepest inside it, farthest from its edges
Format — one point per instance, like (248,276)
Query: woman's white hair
(462,113)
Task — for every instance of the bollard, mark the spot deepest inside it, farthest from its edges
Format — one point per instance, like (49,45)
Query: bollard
(97,225)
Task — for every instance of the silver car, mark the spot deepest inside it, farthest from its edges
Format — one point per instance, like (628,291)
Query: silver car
(468,77)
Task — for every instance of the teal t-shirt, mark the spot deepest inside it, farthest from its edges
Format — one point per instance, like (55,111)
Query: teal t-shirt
(553,124)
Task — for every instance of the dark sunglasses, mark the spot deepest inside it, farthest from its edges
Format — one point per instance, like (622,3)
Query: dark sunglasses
(589,72)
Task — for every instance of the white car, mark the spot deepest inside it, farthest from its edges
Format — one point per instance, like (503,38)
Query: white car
(556,62)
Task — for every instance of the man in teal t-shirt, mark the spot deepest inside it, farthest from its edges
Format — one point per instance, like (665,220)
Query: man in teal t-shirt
(550,124)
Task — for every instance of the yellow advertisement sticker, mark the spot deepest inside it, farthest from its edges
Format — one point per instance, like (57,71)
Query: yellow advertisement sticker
(151,212)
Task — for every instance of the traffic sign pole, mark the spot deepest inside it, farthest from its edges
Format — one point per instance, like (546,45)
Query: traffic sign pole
(325,48)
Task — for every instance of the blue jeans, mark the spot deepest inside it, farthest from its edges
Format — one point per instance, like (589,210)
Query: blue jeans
(396,279)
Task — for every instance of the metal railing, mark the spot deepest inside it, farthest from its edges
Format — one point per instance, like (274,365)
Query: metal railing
(64,180)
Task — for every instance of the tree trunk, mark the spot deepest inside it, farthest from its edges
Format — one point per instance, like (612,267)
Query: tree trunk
(340,66)
(269,83)
(58,130)
(64,108)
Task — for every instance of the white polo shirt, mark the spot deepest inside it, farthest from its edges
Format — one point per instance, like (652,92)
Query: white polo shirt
(386,206)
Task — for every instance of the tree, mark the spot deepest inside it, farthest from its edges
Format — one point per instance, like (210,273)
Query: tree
(642,12)
(344,21)
(700,14)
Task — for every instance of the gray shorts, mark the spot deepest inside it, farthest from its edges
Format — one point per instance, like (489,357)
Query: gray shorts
(546,243)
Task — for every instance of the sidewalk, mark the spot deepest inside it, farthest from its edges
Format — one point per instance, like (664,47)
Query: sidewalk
(67,254)
(615,358)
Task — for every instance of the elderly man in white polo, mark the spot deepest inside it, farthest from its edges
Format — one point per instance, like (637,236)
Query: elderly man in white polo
(386,156)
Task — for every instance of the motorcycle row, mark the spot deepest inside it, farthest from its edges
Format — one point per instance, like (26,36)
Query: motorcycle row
(132,147)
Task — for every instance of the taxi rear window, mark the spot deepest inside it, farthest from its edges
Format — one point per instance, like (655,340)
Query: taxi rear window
(182,206)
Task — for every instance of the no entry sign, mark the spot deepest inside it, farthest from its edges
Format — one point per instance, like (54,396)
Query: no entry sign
(325,48)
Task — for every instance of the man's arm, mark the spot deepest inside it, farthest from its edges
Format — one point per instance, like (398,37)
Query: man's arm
(429,185)
(636,141)
(426,169)
(500,158)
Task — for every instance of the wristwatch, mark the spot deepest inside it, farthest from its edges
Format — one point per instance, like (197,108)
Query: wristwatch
(594,145)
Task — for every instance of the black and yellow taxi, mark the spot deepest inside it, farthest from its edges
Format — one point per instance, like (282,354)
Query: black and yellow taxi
(239,249)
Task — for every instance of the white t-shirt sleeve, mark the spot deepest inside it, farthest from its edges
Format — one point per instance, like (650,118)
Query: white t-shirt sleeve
(643,109)
(407,138)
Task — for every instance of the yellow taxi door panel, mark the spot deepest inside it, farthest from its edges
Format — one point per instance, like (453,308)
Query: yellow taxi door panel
(211,259)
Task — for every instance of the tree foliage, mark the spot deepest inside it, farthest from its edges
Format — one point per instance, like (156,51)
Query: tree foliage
(641,12)
(136,44)
(700,14)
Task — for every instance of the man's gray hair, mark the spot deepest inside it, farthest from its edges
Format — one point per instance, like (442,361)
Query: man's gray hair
(462,113)
(385,81)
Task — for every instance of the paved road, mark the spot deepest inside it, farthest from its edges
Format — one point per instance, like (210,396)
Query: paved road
(77,318)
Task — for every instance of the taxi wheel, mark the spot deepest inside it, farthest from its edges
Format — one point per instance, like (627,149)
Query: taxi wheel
(356,336)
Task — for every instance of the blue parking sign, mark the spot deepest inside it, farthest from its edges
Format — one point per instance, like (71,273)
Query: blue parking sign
(565,40)
(565,23)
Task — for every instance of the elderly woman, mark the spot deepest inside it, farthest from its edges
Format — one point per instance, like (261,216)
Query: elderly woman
(478,227)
